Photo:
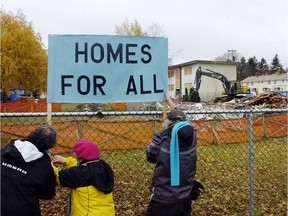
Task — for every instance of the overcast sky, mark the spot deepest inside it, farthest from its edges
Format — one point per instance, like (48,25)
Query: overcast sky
(196,30)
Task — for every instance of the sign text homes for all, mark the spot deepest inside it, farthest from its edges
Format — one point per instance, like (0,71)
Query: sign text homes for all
(99,69)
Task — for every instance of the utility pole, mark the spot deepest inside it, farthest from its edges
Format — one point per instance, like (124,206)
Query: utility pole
(232,51)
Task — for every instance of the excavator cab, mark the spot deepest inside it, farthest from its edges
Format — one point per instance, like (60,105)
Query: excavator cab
(237,88)
(234,87)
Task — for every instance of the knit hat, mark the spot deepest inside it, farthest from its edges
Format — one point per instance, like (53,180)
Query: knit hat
(86,150)
(176,115)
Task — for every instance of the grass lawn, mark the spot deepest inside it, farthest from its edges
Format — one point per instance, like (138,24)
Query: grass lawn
(223,169)
(69,107)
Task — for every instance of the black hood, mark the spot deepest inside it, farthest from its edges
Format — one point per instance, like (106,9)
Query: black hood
(21,151)
(185,135)
(102,176)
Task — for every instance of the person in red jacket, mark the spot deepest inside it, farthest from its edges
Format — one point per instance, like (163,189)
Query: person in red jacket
(90,178)
(27,174)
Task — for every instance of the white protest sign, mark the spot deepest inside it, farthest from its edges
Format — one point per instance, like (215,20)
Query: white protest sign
(105,68)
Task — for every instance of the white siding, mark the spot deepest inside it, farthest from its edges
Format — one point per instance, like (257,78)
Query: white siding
(267,83)
(210,87)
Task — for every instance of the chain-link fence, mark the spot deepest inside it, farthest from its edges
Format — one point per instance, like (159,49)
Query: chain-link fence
(242,156)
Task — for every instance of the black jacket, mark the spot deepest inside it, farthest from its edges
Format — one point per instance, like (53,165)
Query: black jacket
(158,152)
(26,177)
(96,172)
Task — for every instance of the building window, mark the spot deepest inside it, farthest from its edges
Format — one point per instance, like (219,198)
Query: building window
(188,86)
(275,82)
(251,83)
(177,78)
(188,71)
(254,90)
(170,73)
(171,87)
(269,82)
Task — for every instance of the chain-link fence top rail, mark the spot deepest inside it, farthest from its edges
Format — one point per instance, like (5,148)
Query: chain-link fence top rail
(242,156)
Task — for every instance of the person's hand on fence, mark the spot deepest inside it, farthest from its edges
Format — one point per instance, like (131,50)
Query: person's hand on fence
(58,159)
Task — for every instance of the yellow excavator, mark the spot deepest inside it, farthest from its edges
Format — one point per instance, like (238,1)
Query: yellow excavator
(232,89)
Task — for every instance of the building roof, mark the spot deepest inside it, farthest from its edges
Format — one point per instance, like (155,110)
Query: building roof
(269,77)
(203,62)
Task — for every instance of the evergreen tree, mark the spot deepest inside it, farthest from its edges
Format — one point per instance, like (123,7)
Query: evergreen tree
(185,96)
(275,64)
(263,66)
(252,66)
(241,69)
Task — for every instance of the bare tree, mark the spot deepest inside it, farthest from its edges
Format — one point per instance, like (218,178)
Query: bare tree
(230,56)
(156,30)
(135,29)
(130,29)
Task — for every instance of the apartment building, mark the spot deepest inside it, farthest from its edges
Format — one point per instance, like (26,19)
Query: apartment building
(182,76)
(267,83)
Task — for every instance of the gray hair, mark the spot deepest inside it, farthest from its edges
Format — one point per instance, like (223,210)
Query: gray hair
(169,123)
(43,137)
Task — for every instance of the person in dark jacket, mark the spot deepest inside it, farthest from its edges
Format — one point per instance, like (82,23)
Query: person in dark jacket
(173,150)
(27,174)
(90,178)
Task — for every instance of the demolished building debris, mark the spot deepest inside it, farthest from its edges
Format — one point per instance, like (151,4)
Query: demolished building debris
(272,100)
(212,110)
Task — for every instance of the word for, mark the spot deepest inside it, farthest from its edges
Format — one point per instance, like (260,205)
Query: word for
(86,86)
(107,54)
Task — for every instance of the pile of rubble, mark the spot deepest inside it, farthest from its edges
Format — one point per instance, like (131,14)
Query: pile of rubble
(271,100)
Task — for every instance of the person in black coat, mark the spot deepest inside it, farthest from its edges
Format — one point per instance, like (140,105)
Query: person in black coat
(173,151)
(27,174)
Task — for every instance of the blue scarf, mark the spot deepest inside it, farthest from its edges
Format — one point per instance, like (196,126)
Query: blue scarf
(174,153)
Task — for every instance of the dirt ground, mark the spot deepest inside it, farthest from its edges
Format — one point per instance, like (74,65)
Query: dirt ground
(112,135)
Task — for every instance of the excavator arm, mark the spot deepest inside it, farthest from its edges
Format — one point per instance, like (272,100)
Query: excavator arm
(212,74)
(231,88)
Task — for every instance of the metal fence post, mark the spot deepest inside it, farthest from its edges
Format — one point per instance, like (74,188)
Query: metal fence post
(251,165)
